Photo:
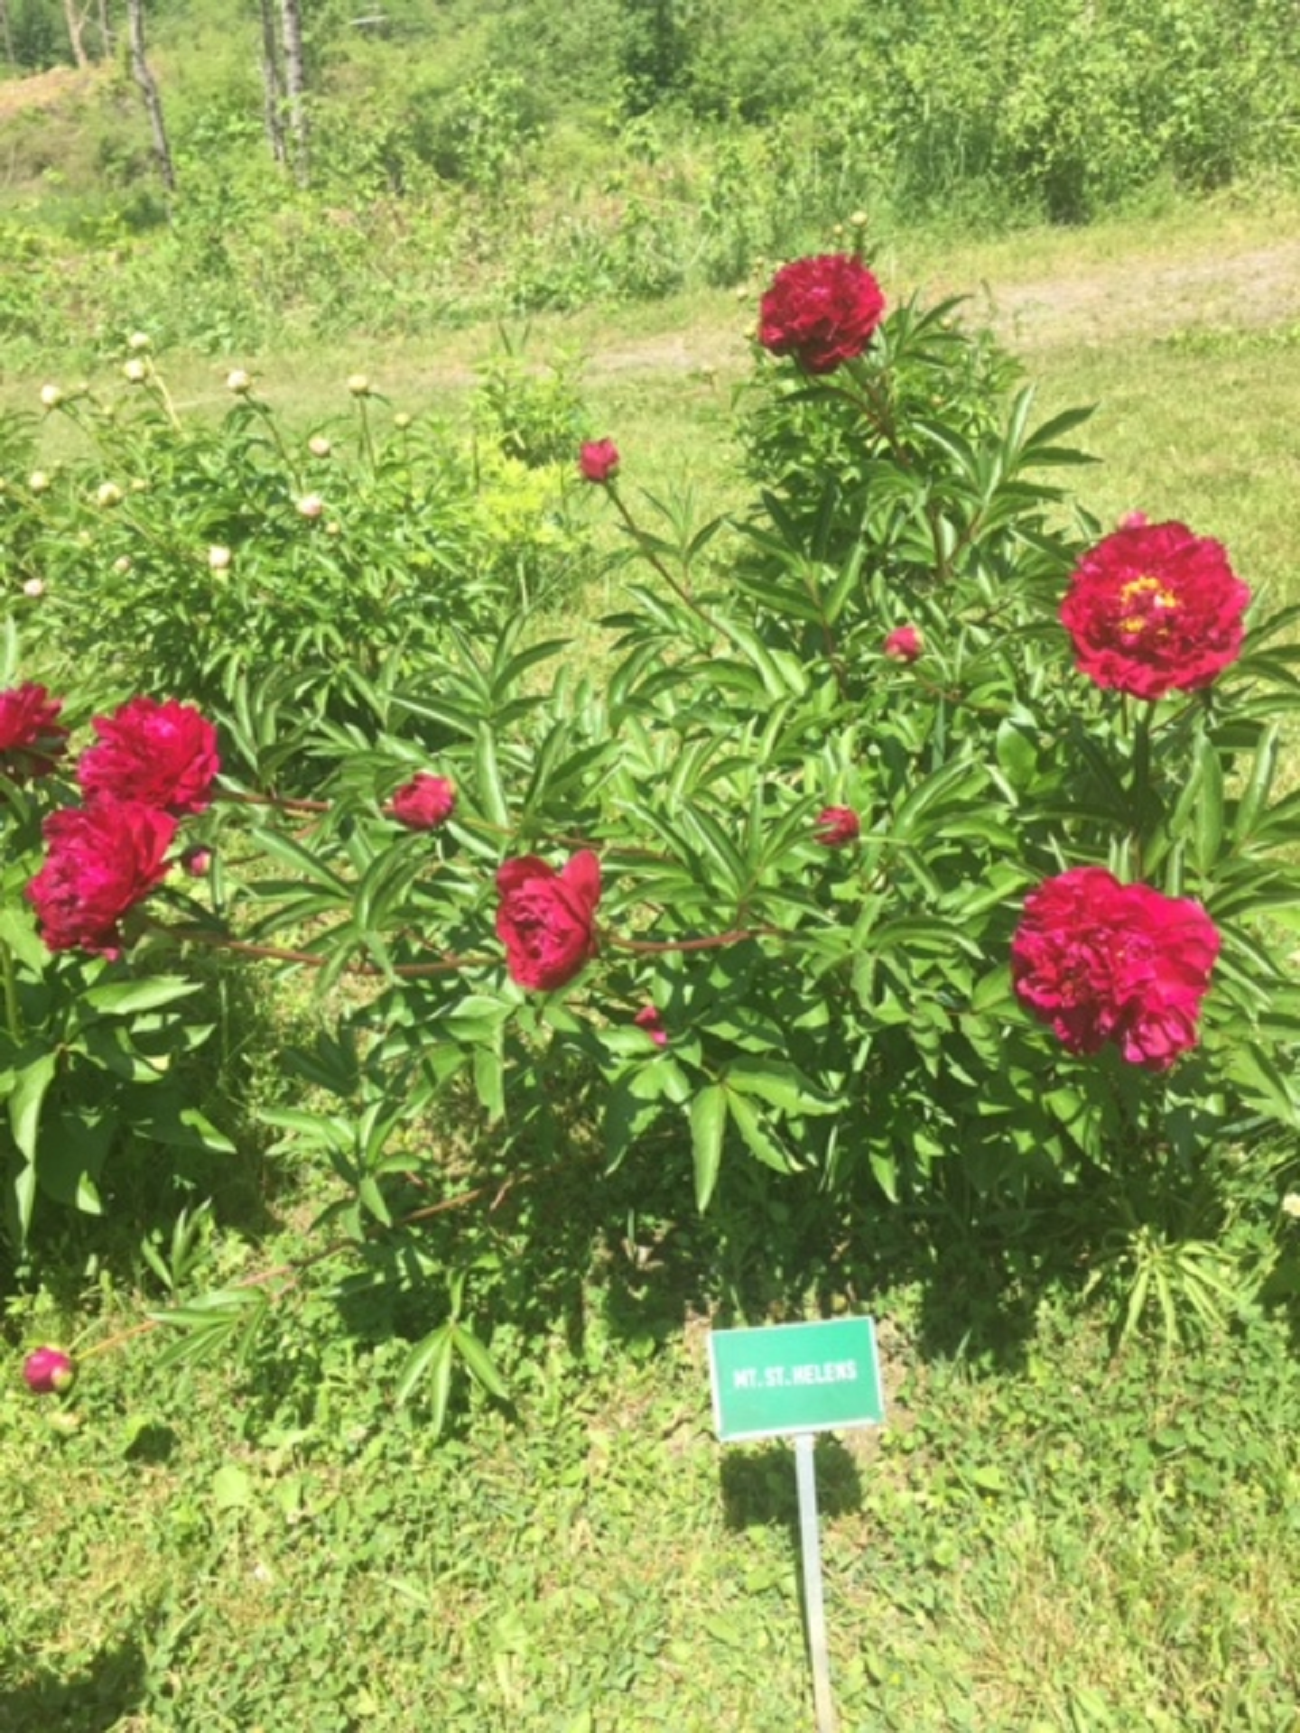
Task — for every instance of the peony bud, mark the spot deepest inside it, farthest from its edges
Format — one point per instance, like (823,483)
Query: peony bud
(358,385)
(108,494)
(424,802)
(134,372)
(238,381)
(401,421)
(196,860)
(904,644)
(1133,520)
(311,505)
(648,1018)
(122,564)
(48,1371)
(837,826)
(38,481)
(138,340)
(34,587)
(1291,1205)
(219,558)
(319,446)
(859,219)
(598,460)
(51,396)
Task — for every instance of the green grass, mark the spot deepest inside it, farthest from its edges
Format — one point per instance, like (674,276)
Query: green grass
(1041,1538)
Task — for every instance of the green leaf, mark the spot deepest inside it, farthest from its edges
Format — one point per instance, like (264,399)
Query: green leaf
(431,1359)
(491,796)
(26,1099)
(479,1363)
(759,1140)
(122,998)
(708,1122)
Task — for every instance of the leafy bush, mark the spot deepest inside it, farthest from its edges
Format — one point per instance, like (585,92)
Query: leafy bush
(201,559)
(759,873)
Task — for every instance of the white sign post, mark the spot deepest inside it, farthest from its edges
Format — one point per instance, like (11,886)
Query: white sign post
(795,1380)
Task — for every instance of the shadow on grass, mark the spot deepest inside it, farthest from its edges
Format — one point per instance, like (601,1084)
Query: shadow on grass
(91,1701)
(759,1491)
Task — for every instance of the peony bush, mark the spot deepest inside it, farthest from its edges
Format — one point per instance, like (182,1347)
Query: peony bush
(916,843)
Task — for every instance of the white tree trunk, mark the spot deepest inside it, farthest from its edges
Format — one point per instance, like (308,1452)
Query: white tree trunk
(272,86)
(149,90)
(295,83)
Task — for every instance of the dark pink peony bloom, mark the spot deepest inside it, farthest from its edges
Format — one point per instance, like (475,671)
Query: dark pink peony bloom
(598,460)
(648,1018)
(837,826)
(547,920)
(822,311)
(1103,962)
(1154,609)
(160,754)
(424,802)
(48,1371)
(101,860)
(31,736)
(904,644)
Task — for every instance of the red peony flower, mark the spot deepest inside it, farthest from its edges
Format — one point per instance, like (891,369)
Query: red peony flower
(102,859)
(648,1018)
(47,1371)
(598,460)
(837,826)
(424,802)
(821,310)
(1106,962)
(160,754)
(30,736)
(546,920)
(904,644)
(1153,609)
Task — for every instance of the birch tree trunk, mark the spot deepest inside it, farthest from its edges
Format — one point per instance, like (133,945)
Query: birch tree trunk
(295,83)
(6,33)
(149,90)
(105,32)
(76,23)
(272,86)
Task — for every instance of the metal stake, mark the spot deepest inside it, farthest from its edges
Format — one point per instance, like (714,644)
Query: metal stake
(814,1606)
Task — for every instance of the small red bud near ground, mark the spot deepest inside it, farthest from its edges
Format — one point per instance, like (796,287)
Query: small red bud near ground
(598,460)
(48,1372)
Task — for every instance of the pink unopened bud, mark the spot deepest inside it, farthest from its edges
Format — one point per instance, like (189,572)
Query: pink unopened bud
(424,802)
(48,1371)
(196,860)
(904,644)
(34,587)
(319,446)
(838,826)
(311,505)
(648,1018)
(238,381)
(1133,520)
(598,460)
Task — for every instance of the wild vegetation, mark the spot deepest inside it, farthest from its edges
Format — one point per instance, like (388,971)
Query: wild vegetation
(621,910)
(473,160)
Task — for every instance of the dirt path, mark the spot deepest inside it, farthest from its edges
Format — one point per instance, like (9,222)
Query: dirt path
(1143,297)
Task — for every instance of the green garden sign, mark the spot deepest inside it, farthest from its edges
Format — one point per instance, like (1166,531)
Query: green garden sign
(798,1379)
(788,1378)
